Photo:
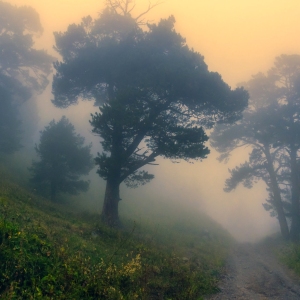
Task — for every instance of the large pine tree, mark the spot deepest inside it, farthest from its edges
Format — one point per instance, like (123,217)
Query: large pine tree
(156,95)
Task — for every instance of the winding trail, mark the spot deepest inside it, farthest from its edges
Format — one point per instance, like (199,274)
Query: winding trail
(254,273)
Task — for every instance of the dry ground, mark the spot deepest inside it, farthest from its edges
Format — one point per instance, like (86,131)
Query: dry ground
(253,272)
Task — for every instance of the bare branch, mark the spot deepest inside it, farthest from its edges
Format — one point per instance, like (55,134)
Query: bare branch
(110,3)
(126,3)
(120,6)
(132,8)
(150,7)
(123,6)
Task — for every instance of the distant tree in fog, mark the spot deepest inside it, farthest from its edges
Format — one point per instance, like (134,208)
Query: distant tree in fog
(63,160)
(156,96)
(287,74)
(271,127)
(23,69)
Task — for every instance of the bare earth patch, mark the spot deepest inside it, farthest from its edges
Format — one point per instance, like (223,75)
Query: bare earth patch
(253,272)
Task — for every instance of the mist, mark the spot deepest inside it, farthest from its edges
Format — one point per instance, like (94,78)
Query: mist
(237,40)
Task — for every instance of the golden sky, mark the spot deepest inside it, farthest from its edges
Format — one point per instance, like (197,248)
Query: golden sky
(238,38)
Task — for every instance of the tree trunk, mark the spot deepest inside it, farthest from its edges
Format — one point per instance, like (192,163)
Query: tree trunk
(280,213)
(277,197)
(295,225)
(110,213)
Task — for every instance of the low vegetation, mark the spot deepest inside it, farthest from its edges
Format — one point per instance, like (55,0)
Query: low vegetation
(49,251)
(290,256)
(287,252)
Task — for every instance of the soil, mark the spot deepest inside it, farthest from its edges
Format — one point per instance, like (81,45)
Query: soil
(253,272)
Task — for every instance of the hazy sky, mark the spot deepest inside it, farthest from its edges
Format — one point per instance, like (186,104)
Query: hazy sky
(238,38)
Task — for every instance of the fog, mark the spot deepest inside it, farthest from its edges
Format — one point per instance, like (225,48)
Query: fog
(237,39)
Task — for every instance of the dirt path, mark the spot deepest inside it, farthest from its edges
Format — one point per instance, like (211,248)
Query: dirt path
(254,273)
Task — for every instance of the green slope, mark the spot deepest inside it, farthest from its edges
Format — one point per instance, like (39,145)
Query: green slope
(51,251)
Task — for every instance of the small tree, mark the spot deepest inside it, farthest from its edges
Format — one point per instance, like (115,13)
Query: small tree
(63,159)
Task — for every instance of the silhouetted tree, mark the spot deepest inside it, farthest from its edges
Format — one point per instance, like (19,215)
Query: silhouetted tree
(156,96)
(286,72)
(255,131)
(271,127)
(63,160)
(23,69)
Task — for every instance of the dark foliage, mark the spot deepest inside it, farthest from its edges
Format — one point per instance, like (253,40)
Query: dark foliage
(63,159)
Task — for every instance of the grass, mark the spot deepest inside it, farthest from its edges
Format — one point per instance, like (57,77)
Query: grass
(51,251)
(289,254)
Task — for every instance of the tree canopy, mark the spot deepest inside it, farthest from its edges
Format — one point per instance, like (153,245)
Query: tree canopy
(23,69)
(155,94)
(63,160)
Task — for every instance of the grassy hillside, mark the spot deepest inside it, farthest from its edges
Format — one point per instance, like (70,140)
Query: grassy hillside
(51,251)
